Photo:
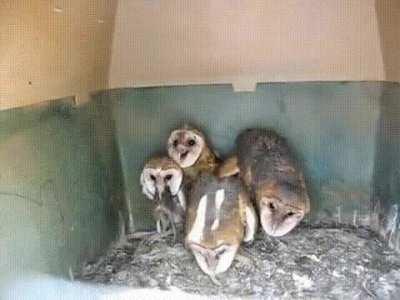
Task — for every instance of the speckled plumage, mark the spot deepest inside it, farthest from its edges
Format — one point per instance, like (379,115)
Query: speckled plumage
(264,158)
(273,177)
(219,217)
(231,225)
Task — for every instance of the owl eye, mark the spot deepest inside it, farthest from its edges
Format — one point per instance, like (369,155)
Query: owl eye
(152,177)
(290,213)
(192,142)
(271,206)
(175,143)
(168,177)
(220,251)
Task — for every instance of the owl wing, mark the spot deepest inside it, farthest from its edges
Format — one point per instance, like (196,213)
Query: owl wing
(248,216)
(229,167)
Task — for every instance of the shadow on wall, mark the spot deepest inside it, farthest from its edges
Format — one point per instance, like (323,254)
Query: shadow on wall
(387,170)
(55,187)
(386,194)
(388,17)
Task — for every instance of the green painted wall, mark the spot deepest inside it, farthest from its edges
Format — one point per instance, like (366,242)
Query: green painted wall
(55,186)
(66,171)
(386,179)
(332,126)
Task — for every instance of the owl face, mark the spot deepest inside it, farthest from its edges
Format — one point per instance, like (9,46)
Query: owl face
(278,214)
(185,146)
(159,175)
(278,219)
(214,261)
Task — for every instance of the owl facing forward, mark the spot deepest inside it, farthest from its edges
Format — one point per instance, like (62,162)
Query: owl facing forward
(161,182)
(188,147)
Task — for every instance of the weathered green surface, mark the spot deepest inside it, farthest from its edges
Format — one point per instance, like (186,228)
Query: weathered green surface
(55,187)
(332,127)
(60,165)
(386,195)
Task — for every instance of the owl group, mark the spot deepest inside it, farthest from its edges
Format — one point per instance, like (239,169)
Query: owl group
(221,203)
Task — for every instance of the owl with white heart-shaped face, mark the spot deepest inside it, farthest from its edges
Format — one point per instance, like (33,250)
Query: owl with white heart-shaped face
(268,167)
(161,182)
(187,146)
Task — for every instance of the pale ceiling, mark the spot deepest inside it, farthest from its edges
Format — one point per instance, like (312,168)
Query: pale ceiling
(52,49)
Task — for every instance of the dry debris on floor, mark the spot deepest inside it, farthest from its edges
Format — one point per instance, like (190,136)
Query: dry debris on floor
(311,262)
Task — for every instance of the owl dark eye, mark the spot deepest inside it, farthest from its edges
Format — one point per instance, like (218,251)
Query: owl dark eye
(192,142)
(152,177)
(290,213)
(220,251)
(168,177)
(271,206)
(175,143)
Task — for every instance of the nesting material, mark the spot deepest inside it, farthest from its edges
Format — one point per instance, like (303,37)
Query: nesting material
(310,262)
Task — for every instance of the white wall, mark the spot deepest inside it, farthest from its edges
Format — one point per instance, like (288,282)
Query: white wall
(57,48)
(181,42)
(53,48)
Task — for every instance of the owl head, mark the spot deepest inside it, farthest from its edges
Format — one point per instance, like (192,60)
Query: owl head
(185,146)
(282,206)
(161,174)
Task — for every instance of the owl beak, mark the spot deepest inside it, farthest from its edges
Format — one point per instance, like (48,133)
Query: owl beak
(160,193)
(159,190)
(157,197)
(183,152)
(211,261)
(181,149)
(274,226)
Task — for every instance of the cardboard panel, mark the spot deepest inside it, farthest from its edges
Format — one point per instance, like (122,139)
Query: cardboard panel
(53,49)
